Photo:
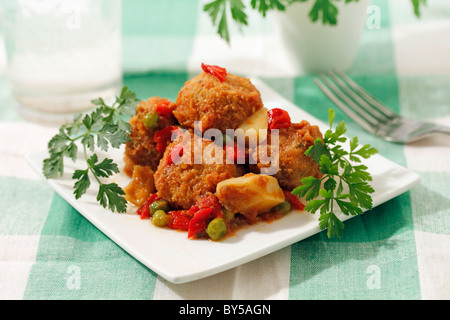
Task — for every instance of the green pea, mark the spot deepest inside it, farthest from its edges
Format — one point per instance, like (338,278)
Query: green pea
(227,214)
(159,205)
(216,229)
(283,208)
(151,120)
(160,219)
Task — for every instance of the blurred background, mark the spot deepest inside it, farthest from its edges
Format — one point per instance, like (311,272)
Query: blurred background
(170,39)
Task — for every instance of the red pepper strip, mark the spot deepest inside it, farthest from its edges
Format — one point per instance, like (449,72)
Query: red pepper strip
(179,220)
(208,202)
(163,109)
(235,155)
(278,118)
(162,137)
(193,210)
(199,222)
(295,202)
(144,211)
(217,208)
(175,151)
(219,72)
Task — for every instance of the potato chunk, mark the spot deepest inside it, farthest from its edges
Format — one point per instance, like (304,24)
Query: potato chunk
(250,195)
(258,123)
(142,184)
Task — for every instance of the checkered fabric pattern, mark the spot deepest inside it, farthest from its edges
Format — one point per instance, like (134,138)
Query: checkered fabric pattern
(399,250)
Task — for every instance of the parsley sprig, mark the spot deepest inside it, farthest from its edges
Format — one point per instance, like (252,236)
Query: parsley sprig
(107,126)
(345,181)
(324,10)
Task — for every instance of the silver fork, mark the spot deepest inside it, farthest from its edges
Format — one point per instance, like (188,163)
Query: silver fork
(370,113)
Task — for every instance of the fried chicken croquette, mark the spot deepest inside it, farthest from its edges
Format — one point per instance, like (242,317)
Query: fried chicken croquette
(151,116)
(194,175)
(293,164)
(216,104)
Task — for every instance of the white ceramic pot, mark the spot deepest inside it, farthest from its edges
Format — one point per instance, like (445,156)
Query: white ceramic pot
(317,47)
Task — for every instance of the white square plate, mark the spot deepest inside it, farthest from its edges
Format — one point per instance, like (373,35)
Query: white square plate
(175,258)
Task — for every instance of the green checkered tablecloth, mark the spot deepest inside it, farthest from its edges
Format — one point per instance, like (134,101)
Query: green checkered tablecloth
(399,250)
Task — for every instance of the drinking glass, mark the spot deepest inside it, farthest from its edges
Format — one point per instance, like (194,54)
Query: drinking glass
(62,54)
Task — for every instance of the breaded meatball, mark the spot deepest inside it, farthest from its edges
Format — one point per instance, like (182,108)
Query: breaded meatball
(218,105)
(182,183)
(294,165)
(142,148)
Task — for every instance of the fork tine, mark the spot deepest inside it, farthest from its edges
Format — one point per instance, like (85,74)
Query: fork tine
(378,106)
(363,122)
(368,117)
(373,111)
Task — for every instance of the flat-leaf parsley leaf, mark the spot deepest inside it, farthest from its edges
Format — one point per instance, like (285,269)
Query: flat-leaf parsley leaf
(325,11)
(344,183)
(106,126)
